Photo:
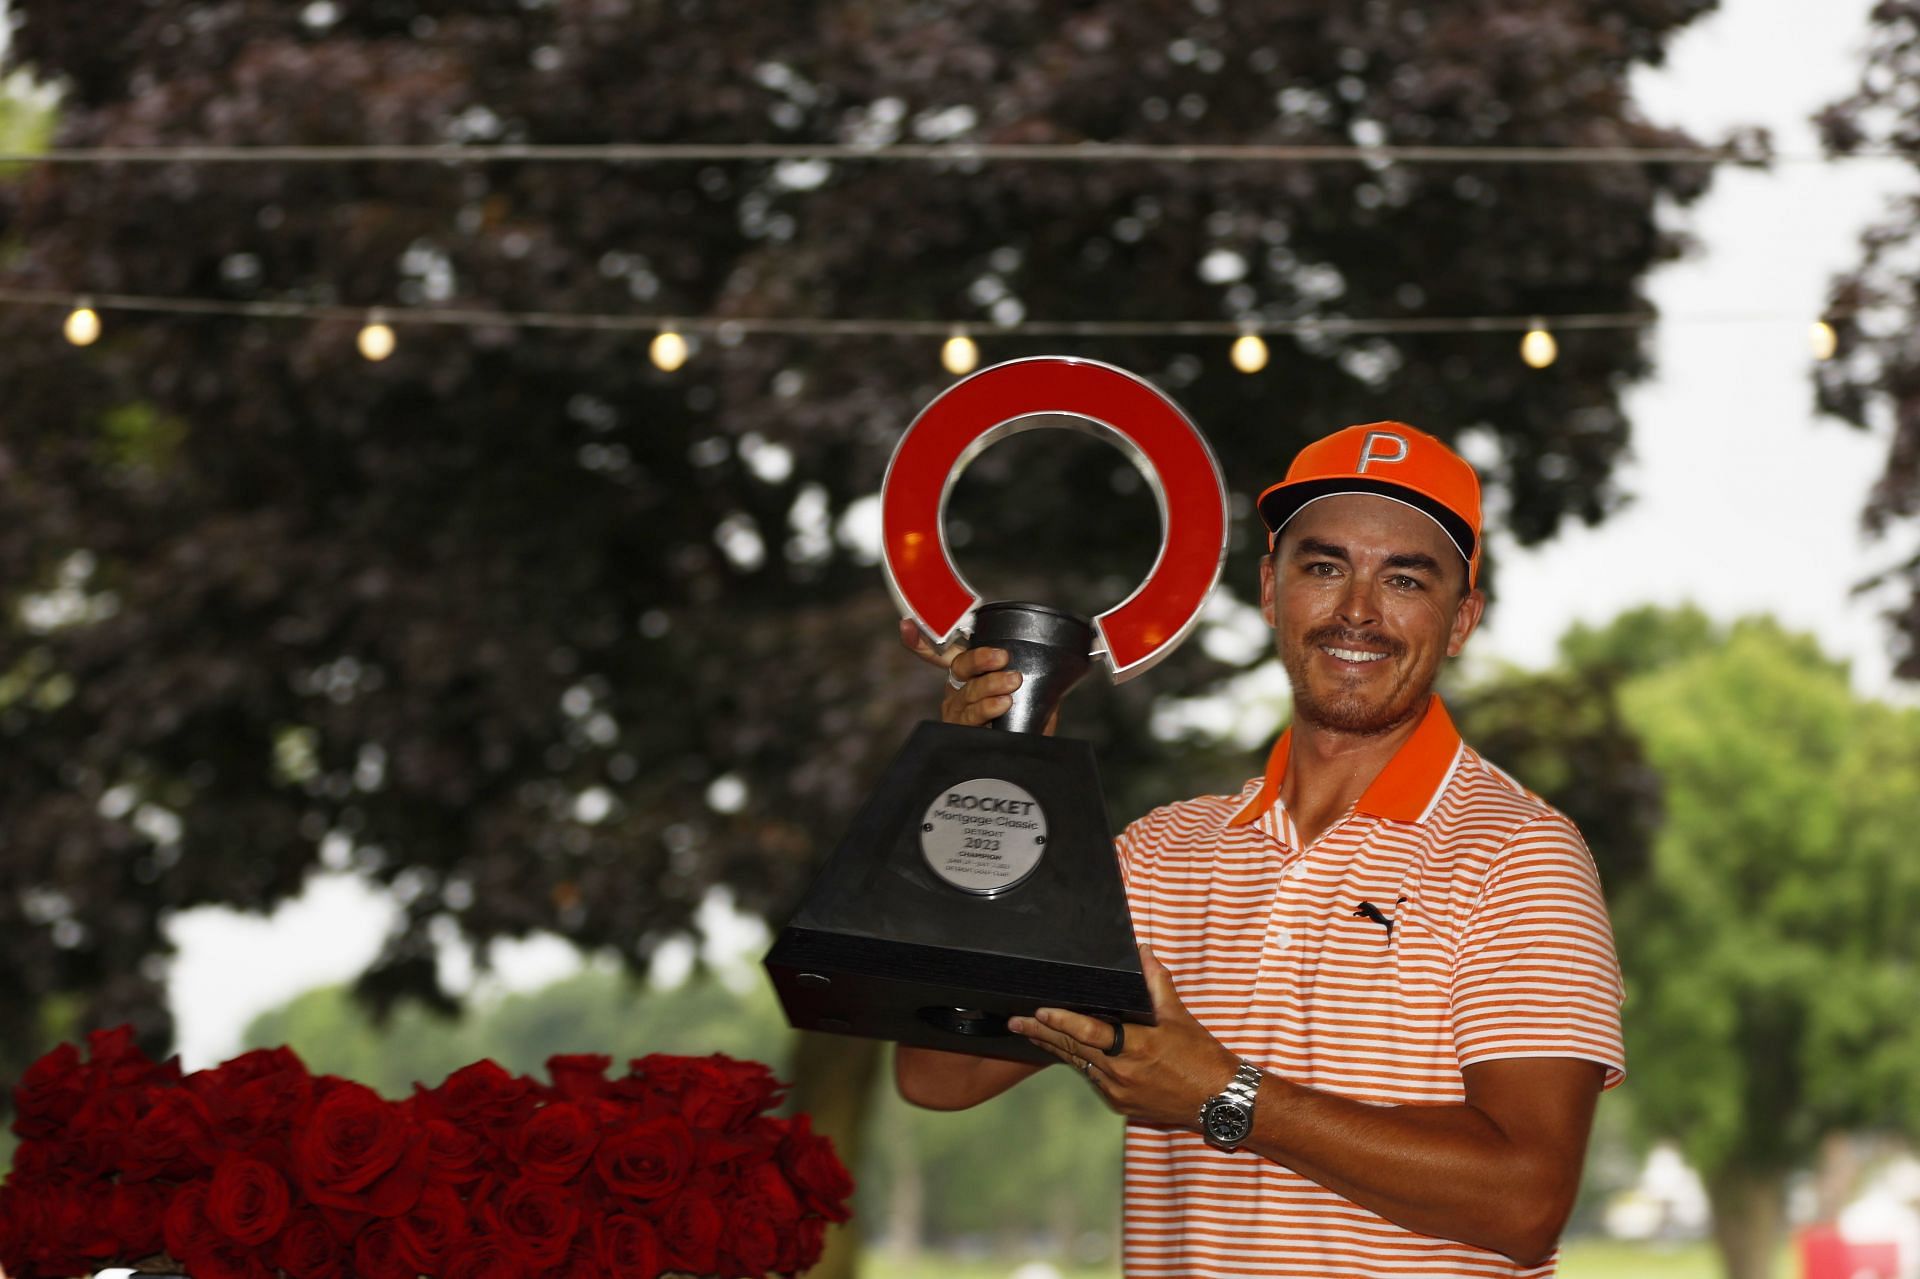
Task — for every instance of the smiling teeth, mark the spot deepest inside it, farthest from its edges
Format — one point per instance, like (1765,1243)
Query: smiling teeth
(1355,655)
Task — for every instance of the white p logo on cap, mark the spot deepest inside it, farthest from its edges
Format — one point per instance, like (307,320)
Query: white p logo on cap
(1368,456)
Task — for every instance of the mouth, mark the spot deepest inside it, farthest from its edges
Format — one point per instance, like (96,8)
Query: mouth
(1358,656)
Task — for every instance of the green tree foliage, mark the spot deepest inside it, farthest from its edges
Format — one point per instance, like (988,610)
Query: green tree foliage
(420,606)
(1872,307)
(1764,916)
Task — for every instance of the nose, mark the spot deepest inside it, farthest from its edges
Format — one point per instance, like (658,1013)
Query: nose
(1359,607)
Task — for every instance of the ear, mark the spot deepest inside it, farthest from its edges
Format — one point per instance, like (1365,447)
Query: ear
(1466,616)
(1269,592)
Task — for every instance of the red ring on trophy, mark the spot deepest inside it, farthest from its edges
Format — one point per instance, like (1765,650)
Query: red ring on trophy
(1054,391)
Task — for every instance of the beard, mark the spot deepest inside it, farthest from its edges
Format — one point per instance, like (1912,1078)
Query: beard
(1346,710)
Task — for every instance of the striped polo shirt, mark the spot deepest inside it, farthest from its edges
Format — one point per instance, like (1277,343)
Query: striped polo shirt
(1499,947)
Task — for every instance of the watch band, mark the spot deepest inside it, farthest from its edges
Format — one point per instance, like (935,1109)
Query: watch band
(1241,1092)
(1245,1086)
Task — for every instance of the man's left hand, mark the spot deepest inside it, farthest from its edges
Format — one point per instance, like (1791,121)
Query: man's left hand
(1163,1073)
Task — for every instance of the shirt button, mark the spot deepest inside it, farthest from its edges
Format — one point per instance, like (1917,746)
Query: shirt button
(1283,938)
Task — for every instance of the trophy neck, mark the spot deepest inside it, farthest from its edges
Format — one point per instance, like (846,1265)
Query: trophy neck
(1051,648)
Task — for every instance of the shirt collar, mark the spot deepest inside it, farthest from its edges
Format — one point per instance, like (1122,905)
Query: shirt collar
(1405,789)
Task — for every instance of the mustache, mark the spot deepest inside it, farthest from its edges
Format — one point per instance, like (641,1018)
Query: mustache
(1346,637)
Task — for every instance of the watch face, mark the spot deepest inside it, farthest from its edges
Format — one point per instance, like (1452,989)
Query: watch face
(1228,1123)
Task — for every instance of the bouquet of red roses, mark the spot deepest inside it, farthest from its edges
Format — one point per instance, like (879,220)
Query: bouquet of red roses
(257,1168)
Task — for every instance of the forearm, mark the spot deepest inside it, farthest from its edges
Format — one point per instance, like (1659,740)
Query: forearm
(952,1081)
(1447,1171)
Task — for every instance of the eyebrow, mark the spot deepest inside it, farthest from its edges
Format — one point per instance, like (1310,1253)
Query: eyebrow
(1310,547)
(1414,559)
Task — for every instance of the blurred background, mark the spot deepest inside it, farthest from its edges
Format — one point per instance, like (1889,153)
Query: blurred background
(441,605)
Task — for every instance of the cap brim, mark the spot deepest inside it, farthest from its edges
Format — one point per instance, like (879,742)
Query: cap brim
(1283,501)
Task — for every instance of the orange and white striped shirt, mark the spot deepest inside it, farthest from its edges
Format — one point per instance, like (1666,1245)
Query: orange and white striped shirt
(1499,947)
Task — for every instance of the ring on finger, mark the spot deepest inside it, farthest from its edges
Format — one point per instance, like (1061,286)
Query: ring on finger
(1119,1039)
(957,685)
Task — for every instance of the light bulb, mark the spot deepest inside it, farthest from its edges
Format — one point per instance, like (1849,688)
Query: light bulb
(376,340)
(668,351)
(1538,348)
(1823,340)
(1249,353)
(958,355)
(83,326)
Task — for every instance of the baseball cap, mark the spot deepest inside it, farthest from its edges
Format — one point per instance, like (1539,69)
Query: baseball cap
(1385,459)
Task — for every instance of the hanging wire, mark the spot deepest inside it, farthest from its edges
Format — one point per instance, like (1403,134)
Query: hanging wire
(943,152)
(815,326)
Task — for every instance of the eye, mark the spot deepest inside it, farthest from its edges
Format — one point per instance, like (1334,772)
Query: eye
(1322,568)
(1403,582)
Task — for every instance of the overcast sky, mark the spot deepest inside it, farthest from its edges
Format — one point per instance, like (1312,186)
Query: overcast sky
(1745,501)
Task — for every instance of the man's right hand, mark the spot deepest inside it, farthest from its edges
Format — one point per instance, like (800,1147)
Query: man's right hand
(984,690)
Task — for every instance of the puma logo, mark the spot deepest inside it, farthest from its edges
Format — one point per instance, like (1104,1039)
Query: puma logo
(1367,910)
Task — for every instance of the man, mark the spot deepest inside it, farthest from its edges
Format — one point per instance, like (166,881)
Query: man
(1384,984)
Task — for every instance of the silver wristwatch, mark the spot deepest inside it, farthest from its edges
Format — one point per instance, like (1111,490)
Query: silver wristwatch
(1227,1118)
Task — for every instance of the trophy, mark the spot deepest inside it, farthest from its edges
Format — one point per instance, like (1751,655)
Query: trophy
(979,881)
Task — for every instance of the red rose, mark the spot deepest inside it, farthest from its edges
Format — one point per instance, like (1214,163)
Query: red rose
(307,1249)
(378,1254)
(105,1122)
(537,1222)
(226,1260)
(648,1160)
(626,1247)
(135,1210)
(200,1247)
(555,1143)
(454,1155)
(257,1096)
(49,1094)
(481,1094)
(708,1092)
(482,1257)
(58,1230)
(174,1138)
(114,1060)
(723,1157)
(186,1228)
(247,1200)
(690,1233)
(579,1075)
(750,1245)
(360,1153)
(770,1196)
(816,1171)
(810,1241)
(434,1224)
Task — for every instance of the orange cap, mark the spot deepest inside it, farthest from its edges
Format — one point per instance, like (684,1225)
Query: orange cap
(1386,459)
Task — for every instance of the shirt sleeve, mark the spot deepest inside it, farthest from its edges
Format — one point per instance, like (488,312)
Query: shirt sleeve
(1536,974)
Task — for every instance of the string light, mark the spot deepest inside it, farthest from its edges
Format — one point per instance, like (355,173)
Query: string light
(1538,348)
(83,325)
(1249,353)
(958,354)
(376,340)
(1823,340)
(668,350)
(628,153)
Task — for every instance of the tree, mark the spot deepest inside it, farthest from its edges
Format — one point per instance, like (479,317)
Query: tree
(1765,925)
(548,639)
(1876,377)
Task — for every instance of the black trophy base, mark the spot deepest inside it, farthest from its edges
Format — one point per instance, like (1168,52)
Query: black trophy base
(901,937)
